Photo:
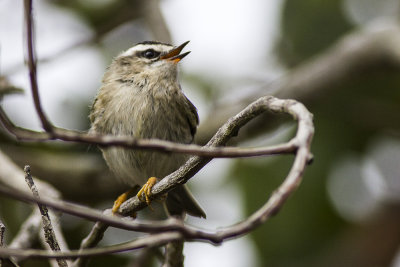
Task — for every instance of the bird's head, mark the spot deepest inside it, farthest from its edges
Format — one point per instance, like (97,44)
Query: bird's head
(150,58)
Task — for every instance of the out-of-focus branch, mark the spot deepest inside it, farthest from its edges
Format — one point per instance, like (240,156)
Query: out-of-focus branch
(6,88)
(155,19)
(148,241)
(27,234)
(128,11)
(13,177)
(373,46)
(54,167)
(174,254)
(360,51)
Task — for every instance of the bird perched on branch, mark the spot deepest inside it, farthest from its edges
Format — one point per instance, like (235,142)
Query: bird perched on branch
(141,97)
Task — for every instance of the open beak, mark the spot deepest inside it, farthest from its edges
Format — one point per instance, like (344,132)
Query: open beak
(173,55)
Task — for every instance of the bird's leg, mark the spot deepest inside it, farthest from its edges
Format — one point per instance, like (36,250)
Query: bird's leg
(121,199)
(146,190)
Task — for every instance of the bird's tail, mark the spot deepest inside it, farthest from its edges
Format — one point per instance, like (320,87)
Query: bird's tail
(180,201)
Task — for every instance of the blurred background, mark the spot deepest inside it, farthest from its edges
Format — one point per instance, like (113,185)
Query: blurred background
(347,210)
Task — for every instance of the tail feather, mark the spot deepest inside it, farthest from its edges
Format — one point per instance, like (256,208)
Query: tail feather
(180,201)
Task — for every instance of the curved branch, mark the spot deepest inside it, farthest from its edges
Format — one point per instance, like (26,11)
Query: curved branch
(301,142)
(230,128)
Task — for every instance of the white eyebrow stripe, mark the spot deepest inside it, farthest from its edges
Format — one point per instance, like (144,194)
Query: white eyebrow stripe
(142,47)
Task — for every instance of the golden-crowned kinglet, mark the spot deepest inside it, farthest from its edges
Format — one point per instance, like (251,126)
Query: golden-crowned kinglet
(141,97)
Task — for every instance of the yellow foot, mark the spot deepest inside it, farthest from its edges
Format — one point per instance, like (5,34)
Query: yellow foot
(121,199)
(146,190)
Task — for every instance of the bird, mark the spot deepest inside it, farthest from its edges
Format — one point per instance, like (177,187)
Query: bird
(141,97)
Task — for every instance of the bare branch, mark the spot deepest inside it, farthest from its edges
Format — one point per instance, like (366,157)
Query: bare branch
(154,18)
(148,241)
(49,234)
(174,254)
(6,88)
(94,237)
(32,66)
(148,144)
(12,176)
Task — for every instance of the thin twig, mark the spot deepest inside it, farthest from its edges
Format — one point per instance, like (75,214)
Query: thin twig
(47,225)
(59,237)
(173,255)
(93,238)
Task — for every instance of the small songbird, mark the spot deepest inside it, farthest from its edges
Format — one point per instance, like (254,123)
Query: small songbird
(141,97)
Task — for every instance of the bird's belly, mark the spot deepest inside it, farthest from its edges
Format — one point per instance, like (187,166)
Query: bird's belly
(134,167)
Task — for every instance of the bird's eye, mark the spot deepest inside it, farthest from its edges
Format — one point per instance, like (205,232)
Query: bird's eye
(150,53)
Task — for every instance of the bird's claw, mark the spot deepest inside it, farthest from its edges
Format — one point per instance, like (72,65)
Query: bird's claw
(146,190)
